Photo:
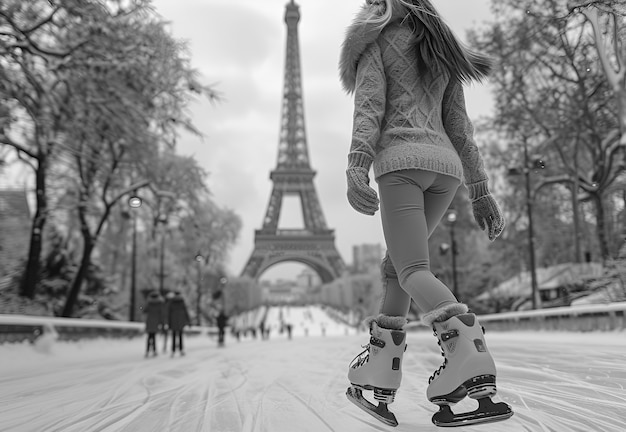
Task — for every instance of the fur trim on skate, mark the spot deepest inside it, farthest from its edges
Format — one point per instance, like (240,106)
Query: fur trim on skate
(386,321)
(367,321)
(391,322)
(444,313)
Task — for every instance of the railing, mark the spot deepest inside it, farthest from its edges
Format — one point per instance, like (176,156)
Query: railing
(20,328)
(600,317)
(597,317)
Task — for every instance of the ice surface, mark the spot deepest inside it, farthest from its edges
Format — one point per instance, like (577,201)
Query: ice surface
(554,382)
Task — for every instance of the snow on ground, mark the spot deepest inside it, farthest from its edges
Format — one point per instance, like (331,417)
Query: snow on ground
(554,382)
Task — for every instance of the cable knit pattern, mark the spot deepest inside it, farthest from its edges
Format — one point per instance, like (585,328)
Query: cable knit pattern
(369,106)
(405,118)
(461,132)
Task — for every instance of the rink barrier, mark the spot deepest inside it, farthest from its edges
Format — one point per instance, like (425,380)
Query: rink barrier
(597,317)
(22,328)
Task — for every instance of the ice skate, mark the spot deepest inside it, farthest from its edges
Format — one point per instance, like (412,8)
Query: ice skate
(468,370)
(379,368)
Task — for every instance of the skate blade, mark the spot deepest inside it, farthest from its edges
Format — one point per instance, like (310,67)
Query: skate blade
(487,412)
(380,412)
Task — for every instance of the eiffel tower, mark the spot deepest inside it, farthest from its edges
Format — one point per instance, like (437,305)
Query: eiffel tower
(314,245)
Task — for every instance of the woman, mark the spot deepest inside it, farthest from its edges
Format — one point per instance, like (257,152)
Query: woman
(155,321)
(406,70)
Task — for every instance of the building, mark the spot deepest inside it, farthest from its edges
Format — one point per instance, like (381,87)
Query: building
(366,258)
(308,278)
(558,285)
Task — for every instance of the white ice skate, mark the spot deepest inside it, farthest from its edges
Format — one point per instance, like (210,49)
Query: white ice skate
(379,368)
(468,370)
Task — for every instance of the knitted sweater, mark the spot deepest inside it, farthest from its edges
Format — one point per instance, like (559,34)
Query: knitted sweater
(405,118)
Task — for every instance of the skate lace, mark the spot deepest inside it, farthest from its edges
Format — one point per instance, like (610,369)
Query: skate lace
(445,361)
(362,357)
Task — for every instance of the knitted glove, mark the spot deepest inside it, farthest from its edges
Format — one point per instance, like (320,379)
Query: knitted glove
(361,196)
(488,215)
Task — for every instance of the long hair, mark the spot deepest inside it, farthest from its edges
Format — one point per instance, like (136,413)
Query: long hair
(436,45)
(382,13)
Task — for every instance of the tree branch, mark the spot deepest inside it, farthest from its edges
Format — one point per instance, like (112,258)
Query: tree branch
(41,23)
(18,147)
(563,178)
(618,54)
(27,162)
(591,13)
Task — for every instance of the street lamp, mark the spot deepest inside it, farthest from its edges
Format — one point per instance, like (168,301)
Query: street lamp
(223,282)
(134,202)
(534,164)
(451,219)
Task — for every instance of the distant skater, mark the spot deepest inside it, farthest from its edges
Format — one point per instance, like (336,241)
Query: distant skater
(155,321)
(289,329)
(222,322)
(262,329)
(178,318)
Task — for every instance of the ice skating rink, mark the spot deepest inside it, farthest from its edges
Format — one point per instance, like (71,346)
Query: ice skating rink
(554,382)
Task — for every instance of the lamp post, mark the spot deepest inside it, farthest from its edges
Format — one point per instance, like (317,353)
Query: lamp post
(134,202)
(451,219)
(531,232)
(199,259)
(537,163)
(163,222)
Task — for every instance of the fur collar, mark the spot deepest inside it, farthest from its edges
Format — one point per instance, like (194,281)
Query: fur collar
(359,35)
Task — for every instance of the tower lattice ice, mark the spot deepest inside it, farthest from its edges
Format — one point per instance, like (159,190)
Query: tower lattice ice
(314,245)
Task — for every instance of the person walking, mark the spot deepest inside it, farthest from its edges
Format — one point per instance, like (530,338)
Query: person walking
(155,320)
(178,318)
(289,328)
(406,70)
(222,322)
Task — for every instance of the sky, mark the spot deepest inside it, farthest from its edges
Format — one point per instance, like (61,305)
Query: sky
(239,47)
(554,382)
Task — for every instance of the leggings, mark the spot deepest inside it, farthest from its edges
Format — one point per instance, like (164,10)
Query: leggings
(412,203)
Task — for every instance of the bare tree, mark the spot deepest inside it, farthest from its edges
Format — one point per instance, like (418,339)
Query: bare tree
(550,95)
(34,45)
(607,20)
(126,105)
